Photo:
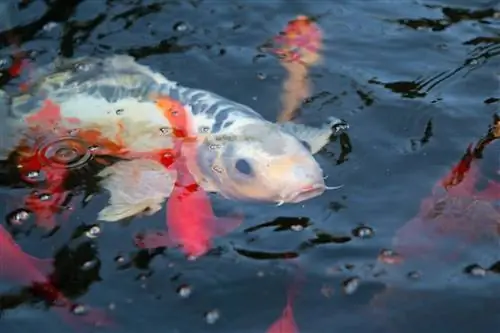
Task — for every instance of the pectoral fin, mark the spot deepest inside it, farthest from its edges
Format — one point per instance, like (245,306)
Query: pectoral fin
(113,213)
(136,187)
(315,137)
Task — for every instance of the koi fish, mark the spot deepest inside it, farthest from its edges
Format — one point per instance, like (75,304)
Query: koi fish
(29,271)
(190,218)
(240,155)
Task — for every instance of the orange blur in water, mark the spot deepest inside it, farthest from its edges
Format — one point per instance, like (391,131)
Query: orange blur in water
(286,322)
(298,47)
(26,270)
(454,210)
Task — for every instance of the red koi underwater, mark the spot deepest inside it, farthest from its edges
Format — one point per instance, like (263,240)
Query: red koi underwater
(286,322)
(190,218)
(24,269)
(455,211)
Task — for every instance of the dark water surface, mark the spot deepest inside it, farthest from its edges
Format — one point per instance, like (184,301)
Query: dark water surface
(418,81)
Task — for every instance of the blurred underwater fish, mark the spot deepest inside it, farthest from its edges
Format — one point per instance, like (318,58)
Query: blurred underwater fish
(286,322)
(298,47)
(26,270)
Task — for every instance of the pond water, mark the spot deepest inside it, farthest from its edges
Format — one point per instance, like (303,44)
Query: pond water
(417,81)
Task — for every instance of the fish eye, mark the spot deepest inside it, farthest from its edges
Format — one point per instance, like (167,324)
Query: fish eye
(243,166)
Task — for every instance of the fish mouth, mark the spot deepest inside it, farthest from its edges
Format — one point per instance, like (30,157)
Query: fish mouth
(307,193)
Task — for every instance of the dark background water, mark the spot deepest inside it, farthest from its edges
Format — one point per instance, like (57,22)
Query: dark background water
(417,81)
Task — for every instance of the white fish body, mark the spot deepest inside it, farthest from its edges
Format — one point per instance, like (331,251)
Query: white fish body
(242,155)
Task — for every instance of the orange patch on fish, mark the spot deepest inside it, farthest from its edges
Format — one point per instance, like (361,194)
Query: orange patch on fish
(49,115)
(190,218)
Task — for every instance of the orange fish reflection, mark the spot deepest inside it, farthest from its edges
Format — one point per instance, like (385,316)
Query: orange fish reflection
(190,218)
(21,268)
(298,48)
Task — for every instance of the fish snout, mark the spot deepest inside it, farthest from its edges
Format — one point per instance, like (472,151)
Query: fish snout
(309,183)
(305,193)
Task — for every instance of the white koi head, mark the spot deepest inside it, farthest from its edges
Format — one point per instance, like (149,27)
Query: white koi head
(258,161)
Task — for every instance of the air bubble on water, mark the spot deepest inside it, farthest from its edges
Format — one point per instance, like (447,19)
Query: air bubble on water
(93,232)
(93,148)
(120,259)
(351,285)
(475,270)
(44,197)
(4,63)
(83,67)
(79,309)
(184,291)
(73,132)
(143,277)
(217,169)
(212,316)
(19,216)
(204,129)
(50,26)
(165,130)
(363,231)
(214,146)
(119,112)
(88,265)
(261,76)
(414,275)
(388,256)
(473,62)
(35,176)
(180,26)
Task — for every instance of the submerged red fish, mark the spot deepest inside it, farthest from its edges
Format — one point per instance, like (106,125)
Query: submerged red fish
(26,270)
(190,218)
(286,322)
(455,211)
